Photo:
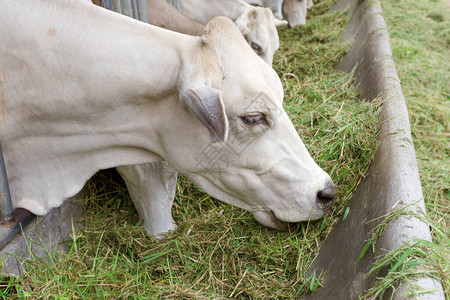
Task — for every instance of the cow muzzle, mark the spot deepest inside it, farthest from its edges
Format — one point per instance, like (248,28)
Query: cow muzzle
(268,218)
(326,197)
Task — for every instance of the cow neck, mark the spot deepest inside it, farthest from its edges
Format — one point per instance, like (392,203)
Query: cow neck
(137,71)
(142,77)
(84,89)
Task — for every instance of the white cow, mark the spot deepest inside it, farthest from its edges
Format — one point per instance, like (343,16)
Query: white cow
(83,89)
(274,5)
(294,11)
(257,24)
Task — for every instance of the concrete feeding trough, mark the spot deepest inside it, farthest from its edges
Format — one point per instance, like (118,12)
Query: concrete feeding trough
(392,181)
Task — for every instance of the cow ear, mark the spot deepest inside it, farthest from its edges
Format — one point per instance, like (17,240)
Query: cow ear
(206,104)
(280,23)
(242,23)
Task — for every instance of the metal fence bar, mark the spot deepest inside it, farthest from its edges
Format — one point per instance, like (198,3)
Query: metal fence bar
(117,6)
(126,8)
(142,10)
(6,208)
(107,4)
(135,9)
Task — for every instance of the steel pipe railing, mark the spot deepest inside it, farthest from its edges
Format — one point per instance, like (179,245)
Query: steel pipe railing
(6,207)
(136,9)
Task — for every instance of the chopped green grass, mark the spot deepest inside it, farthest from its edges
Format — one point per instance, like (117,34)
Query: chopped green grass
(415,259)
(219,251)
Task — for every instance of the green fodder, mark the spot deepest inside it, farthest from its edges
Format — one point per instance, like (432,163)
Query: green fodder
(415,259)
(219,251)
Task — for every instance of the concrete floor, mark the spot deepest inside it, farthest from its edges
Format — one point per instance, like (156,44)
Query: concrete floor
(41,236)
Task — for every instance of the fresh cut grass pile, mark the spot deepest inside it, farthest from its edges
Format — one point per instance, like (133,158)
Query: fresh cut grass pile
(219,251)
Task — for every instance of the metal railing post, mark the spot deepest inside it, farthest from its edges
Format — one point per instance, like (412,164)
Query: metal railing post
(142,11)
(136,9)
(6,208)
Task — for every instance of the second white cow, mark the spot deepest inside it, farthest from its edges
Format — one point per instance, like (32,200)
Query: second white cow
(257,24)
(84,89)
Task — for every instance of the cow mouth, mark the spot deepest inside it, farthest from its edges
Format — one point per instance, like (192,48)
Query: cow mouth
(268,218)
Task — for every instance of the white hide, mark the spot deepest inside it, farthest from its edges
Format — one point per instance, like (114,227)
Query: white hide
(257,24)
(274,5)
(83,89)
(294,11)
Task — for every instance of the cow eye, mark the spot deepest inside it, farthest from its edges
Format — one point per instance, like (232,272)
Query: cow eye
(255,119)
(256,48)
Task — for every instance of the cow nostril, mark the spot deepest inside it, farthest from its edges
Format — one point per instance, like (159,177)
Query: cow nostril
(326,196)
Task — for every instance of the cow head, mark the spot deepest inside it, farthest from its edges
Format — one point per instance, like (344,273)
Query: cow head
(240,145)
(259,27)
(295,11)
